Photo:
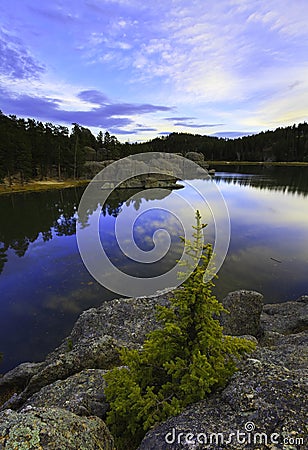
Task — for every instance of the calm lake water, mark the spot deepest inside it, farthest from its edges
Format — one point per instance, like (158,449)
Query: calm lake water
(44,285)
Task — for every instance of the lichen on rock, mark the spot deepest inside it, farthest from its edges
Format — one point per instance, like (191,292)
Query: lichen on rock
(52,429)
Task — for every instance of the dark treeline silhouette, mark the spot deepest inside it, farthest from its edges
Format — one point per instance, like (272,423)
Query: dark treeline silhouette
(30,149)
(283,144)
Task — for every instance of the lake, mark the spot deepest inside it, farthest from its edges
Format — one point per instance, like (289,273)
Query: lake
(44,285)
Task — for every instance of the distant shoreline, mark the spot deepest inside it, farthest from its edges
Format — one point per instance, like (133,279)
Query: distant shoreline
(39,186)
(47,185)
(257,163)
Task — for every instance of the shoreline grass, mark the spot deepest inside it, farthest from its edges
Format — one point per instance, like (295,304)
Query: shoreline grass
(51,184)
(39,186)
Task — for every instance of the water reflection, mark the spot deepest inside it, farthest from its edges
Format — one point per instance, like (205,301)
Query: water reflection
(26,218)
(291,180)
(44,285)
(269,243)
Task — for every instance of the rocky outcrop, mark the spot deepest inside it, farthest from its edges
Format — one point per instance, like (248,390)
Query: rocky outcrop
(92,344)
(195,156)
(268,391)
(82,394)
(286,318)
(244,311)
(264,406)
(263,397)
(99,332)
(198,158)
(17,379)
(52,429)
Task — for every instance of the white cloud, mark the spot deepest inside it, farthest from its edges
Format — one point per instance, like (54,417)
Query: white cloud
(236,62)
(201,52)
(282,16)
(214,53)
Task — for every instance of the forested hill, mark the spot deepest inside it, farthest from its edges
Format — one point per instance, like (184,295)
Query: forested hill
(31,149)
(283,144)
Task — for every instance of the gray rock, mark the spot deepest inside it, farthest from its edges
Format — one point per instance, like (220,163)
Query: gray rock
(52,429)
(286,318)
(15,381)
(198,158)
(94,341)
(302,298)
(268,393)
(268,390)
(94,353)
(264,396)
(244,313)
(290,350)
(91,168)
(82,394)
(195,156)
(126,320)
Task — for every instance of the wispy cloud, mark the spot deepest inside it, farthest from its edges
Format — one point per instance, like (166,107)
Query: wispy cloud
(121,131)
(174,119)
(185,122)
(145,129)
(93,96)
(195,125)
(106,116)
(15,60)
(132,109)
(54,12)
(232,134)
(132,131)
(119,62)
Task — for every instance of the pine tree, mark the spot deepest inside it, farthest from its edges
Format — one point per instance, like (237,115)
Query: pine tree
(180,363)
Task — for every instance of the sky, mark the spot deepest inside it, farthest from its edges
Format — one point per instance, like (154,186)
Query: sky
(143,69)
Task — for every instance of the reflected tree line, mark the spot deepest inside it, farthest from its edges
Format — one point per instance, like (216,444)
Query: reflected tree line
(24,218)
(285,179)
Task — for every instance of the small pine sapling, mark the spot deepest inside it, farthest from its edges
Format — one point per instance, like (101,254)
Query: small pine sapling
(181,362)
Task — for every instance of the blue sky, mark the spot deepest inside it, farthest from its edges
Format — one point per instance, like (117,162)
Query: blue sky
(144,69)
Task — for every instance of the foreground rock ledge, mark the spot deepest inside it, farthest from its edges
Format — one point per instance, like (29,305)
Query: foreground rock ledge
(268,391)
(53,429)
(266,396)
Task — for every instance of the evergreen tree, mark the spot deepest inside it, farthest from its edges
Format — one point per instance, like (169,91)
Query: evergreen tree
(180,363)
(100,139)
(23,159)
(62,142)
(77,150)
